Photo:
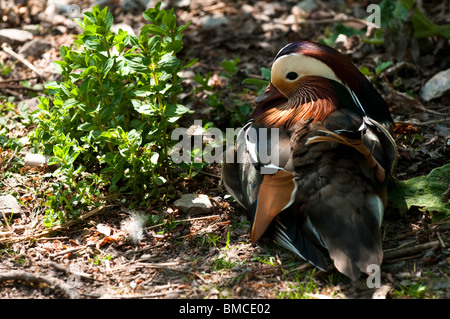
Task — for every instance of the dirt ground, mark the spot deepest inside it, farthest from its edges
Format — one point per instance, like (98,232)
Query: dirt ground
(209,255)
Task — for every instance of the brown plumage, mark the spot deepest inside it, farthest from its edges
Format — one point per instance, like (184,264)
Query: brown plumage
(326,193)
(313,99)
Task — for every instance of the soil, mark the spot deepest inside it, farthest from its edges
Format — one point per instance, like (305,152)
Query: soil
(209,255)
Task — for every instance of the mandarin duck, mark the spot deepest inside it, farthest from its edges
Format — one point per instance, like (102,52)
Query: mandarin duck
(321,192)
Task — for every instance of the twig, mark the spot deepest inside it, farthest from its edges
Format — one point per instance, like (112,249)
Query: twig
(55,229)
(210,174)
(68,271)
(425,123)
(152,295)
(396,253)
(7,222)
(19,57)
(302,267)
(441,242)
(68,251)
(19,87)
(163,266)
(184,220)
(6,233)
(340,20)
(54,283)
(18,80)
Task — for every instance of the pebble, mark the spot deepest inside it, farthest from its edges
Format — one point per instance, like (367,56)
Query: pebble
(304,8)
(212,22)
(190,203)
(15,35)
(35,160)
(9,205)
(436,86)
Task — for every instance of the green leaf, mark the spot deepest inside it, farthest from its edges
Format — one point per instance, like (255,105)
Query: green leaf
(191,63)
(365,70)
(53,161)
(175,110)
(108,65)
(265,72)
(69,103)
(174,46)
(109,20)
(424,192)
(93,43)
(383,66)
(90,70)
(230,66)
(106,112)
(170,20)
(154,29)
(88,126)
(160,180)
(169,63)
(257,82)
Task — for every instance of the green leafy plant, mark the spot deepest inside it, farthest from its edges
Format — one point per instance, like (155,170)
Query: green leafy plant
(107,122)
(231,103)
(394,15)
(302,288)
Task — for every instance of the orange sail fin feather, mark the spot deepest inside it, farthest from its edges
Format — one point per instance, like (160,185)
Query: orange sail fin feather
(274,195)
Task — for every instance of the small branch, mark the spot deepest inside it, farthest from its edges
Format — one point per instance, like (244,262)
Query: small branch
(210,174)
(19,57)
(339,20)
(68,271)
(18,80)
(162,266)
(407,251)
(54,283)
(17,87)
(444,120)
(184,220)
(68,251)
(55,229)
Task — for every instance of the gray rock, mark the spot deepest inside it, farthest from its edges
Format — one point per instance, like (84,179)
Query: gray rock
(9,205)
(15,35)
(213,22)
(304,8)
(190,203)
(35,160)
(436,86)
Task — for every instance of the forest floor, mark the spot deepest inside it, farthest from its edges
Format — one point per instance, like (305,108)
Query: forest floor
(209,255)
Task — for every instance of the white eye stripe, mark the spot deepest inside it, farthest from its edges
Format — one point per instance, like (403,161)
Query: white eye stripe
(302,66)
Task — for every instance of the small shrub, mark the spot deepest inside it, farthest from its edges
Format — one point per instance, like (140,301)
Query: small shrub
(107,122)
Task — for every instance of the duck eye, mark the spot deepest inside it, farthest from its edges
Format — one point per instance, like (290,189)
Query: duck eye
(291,76)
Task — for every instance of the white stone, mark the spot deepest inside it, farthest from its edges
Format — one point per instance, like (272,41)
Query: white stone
(191,203)
(9,205)
(436,86)
(12,35)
